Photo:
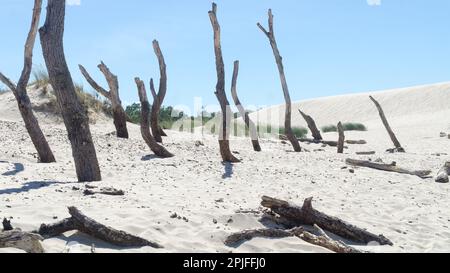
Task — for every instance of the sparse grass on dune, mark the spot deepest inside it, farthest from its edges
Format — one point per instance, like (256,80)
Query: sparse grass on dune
(349,126)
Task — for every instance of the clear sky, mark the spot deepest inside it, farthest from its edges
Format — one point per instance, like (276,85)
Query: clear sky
(330,47)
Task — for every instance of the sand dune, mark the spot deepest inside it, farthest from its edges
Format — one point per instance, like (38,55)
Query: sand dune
(410,211)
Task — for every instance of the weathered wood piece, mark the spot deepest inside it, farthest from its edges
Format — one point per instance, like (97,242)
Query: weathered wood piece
(158,98)
(311,125)
(20,92)
(74,114)
(387,167)
(236,239)
(341,138)
(279,60)
(7,225)
(244,114)
(366,153)
(356,142)
(444,172)
(398,146)
(158,149)
(28,242)
(225,127)
(119,115)
(307,215)
(79,221)
(105,191)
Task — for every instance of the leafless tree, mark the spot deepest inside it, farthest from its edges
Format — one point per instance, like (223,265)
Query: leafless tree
(20,92)
(224,132)
(398,146)
(279,60)
(119,115)
(74,114)
(312,126)
(248,122)
(145,123)
(158,98)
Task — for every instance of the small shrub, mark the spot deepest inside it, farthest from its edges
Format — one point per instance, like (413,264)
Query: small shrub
(299,132)
(40,78)
(349,126)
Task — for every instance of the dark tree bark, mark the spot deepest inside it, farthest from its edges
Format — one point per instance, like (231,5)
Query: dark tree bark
(398,146)
(341,140)
(158,98)
(312,126)
(119,115)
(20,92)
(279,60)
(74,115)
(145,123)
(307,215)
(79,221)
(224,131)
(444,172)
(248,122)
(387,167)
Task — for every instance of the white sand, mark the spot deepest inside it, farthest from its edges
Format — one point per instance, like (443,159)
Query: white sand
(410,211)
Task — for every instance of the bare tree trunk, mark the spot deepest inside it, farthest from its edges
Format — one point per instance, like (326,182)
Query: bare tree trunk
(248,122)
(341,140)
(158,98)
(73,112)
(119,115)
(145,123)
(20,92)
(443,173)
(312,126)
(224,131)
(394,139)
(279,60)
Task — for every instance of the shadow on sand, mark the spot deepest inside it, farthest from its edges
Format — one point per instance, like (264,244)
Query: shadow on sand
(228,172)
(18,167)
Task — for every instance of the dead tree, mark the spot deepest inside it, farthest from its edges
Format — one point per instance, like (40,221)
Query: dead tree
(79,221)
(145,123)
(312,126)
(444,172)
(158,98)
(28,242)
(224,132)
(74,114)
(398,146)
(248,122)
(279,60)
(387,167)
(119,115)
(307,215)
(20,92)
(341,140)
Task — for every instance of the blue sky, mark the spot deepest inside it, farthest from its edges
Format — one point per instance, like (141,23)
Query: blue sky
(330,47)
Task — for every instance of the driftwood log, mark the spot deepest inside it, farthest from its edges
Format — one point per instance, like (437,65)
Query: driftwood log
(225,127)
(279,60)
(322,240)
(74,114)
(356,142)
(387,167)
(311,125)
(398,146)
(159,150)
(28,242)
(104,191)
(307,215)
(341,138)
(158,98)
(119,115)
(444,172)
(248,122)
(20,92)
(366,153)
(79,221)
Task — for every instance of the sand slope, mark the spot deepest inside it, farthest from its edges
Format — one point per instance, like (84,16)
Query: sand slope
(412,212)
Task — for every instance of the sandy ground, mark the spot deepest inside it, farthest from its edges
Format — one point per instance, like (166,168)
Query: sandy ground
(213,197)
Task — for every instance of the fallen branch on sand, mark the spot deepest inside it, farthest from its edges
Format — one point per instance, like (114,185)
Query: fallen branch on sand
(292,218)
(387,167)
(444,172)
(105,191)
(28,242)
(366,153)
(80,222)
